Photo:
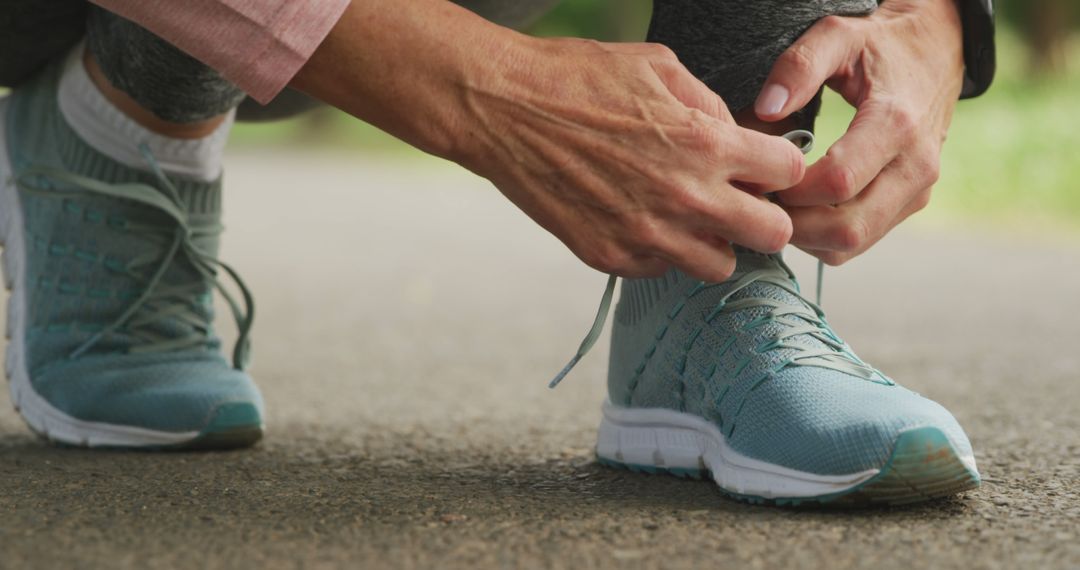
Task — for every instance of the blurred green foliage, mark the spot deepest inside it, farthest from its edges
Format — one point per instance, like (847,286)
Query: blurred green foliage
(605,20)
(1021,13)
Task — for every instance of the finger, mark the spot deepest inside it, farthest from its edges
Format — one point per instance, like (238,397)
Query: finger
(742,218)
(700,256)
(767,163)
(855,226)
(842,257)
(827,257)
(644,266)
(617,259)
(873,140)
(916,205)
(828,47)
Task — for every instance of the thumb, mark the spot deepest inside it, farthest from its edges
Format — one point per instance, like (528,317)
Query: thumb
(824,51)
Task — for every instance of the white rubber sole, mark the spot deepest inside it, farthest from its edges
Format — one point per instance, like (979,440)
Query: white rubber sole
(41,416)
(673,441)
(923,464)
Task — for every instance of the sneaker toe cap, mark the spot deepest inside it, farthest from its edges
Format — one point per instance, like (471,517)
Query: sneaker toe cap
(835,424)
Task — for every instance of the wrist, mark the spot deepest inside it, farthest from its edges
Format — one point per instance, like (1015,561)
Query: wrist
(949,14)
(953,15)
(932,28)
(483,71)
(406,70)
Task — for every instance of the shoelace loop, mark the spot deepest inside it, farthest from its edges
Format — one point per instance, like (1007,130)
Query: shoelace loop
(808,319)
(798,319)
(159,301)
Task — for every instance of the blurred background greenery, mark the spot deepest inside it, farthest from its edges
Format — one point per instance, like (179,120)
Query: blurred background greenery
(1012,158)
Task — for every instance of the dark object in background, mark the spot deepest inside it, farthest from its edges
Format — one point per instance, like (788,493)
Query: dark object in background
(1045,26)
(1046,31)
(55,26)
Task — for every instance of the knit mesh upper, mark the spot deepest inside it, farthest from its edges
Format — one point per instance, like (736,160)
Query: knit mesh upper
(88,258)
(666,354)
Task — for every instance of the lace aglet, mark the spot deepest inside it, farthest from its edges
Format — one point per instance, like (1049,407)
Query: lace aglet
(566,370)
(593,334)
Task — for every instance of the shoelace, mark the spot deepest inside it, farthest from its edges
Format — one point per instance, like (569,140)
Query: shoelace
(798,319)
(159,301)
(807,319)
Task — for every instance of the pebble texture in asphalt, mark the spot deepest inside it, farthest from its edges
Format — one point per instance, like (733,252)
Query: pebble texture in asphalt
(409,319)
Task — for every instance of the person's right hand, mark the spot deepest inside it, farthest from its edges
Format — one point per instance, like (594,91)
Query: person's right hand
(615,148)
(621,153)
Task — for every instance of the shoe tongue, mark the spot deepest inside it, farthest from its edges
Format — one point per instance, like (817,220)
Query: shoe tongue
(203,206)
(201,199)
(748,261)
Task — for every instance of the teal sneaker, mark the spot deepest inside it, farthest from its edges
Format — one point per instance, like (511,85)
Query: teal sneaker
(111,272)
(745,381)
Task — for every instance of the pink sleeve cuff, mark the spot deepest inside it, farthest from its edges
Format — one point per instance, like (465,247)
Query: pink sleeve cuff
(257,44)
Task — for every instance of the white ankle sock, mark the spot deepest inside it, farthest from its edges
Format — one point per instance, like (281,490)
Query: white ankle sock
(104,127)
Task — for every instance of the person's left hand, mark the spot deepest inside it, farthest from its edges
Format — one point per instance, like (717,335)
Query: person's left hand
(902,69)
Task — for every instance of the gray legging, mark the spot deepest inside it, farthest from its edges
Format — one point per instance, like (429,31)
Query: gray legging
(729,44)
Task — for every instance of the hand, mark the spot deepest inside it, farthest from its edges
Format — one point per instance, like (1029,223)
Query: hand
(615,148)
(902,68)
(627,158)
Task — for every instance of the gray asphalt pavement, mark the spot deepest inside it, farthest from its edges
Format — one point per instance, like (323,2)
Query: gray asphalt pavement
(409,319)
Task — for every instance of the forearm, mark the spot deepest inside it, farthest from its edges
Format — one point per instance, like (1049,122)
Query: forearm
(412,70)
(614,148)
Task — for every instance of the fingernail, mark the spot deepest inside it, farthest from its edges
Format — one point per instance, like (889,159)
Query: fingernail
(772,100)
